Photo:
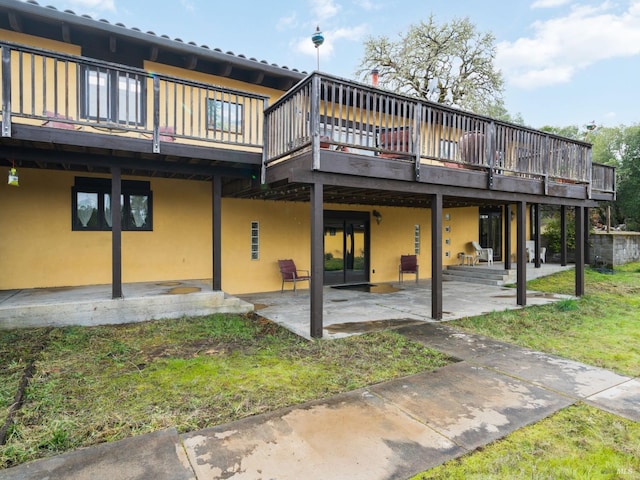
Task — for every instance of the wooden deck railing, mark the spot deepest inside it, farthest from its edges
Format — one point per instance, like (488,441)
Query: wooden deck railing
(326,112)
(77,93)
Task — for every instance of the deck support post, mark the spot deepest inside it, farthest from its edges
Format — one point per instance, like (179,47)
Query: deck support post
(507,237)
(116,232)
(216,234)
(579,251)
(317,259)
(521,256)
(436,257)
(563,235)
(536,235)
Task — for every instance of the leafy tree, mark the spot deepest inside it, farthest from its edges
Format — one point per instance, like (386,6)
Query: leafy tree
(451,63)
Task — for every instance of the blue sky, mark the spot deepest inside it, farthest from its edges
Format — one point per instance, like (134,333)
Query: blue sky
(565,62)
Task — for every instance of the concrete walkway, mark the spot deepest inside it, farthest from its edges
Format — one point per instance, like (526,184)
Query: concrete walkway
(392,430)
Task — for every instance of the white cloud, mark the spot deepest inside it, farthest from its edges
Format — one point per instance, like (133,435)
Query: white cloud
(368,5)
(96,4)
(188,5)
(564,45)
(324,9)
(287,23)
(549,3)
(331,39)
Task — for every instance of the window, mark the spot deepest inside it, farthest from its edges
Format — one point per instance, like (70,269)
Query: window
(255,241)
(224,116)
(416,239)
(91,205)
(113,96)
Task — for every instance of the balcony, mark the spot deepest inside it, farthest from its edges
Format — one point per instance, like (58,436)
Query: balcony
(72,94)
(340,126)
(425,142)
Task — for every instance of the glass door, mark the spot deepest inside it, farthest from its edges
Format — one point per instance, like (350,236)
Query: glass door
(346,247)
(491,230)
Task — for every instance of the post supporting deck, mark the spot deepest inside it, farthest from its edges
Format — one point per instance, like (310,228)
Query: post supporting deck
(563,235)
(436,257)
(522,253)
(507,237)
(579,251)
(536,234)
(216,234)
(317,259)
(116,232)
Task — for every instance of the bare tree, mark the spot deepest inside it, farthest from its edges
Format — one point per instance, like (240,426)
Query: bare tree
(450,64)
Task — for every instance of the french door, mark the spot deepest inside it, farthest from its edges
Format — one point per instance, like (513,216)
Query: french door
(346,247)
(491,230)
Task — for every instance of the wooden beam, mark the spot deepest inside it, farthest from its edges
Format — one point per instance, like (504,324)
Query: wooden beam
(579,251)
(563,235)
(507,237)
(436,257)
(113,43)
(216,207)
(521,255)
(153,54)
(116,233)
(317,259)
(257,78)
(537,233)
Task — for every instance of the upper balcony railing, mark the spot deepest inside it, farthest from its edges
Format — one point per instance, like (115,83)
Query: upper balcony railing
(77,93)
(324,112)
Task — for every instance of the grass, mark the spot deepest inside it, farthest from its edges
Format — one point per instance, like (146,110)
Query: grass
(579,442)
(104,383)
(601,328)
(100,384)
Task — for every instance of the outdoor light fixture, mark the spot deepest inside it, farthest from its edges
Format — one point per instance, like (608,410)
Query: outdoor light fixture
(13,176)
(377,215)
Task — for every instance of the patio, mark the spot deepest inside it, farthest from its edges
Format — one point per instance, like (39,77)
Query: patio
(354,310)
(347,311)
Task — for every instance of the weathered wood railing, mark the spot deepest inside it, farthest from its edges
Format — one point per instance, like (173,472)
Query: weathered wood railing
(328,112)
(72,92)
(603,178)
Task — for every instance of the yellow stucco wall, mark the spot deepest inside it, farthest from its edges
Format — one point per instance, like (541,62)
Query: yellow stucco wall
(39,249)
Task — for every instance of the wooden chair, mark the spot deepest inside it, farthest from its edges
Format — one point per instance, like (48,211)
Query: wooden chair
(408,264)
(290,273)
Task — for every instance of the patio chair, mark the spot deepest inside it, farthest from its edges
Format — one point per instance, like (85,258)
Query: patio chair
(290,273)
(531,248)
(408,264)
(485,254)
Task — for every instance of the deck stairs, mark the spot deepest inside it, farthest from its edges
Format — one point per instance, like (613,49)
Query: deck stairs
(481,273)
(496,274)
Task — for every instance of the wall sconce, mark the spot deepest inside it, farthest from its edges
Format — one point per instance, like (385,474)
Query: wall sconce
(13,177)
(377,215)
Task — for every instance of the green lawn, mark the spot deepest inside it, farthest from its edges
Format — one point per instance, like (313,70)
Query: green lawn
(602,328)
(581,442)
(100,384)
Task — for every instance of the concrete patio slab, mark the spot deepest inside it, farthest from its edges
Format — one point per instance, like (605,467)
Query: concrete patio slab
(471,405)
(356,436)
(555,373)
(157,456)
(408,302)
(623,400)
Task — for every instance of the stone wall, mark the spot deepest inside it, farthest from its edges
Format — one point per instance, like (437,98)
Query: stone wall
(615,248)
